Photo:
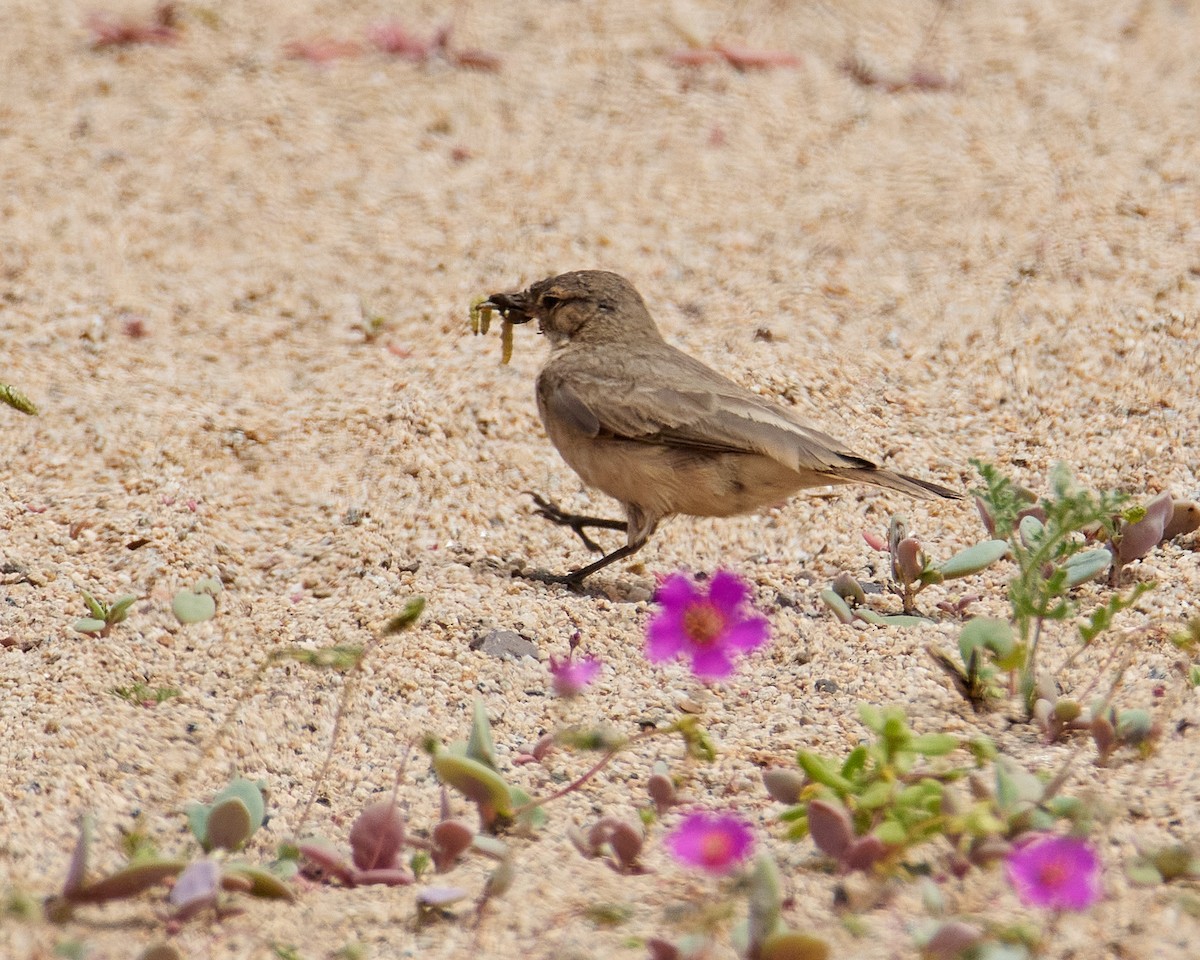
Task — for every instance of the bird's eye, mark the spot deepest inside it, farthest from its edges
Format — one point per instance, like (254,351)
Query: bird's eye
(551,302)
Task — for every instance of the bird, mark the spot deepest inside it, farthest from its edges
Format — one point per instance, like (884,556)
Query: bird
(658,430)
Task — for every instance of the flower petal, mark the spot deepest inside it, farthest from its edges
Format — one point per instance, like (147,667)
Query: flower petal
(665,636)
(711,663)
(716,843)
(747,634)
(728,591)
(1059,873)
(676,593)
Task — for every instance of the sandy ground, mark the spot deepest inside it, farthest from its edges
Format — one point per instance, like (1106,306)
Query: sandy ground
(192,236)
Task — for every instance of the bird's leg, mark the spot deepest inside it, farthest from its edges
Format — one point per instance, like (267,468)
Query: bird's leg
(575,521)
(639,528)
(575,578)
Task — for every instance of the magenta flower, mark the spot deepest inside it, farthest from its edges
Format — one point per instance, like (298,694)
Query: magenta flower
(570,676)
(711,629)
(714,842)
(1061,873)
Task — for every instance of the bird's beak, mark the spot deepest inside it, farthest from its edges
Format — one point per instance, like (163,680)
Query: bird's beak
(514,307)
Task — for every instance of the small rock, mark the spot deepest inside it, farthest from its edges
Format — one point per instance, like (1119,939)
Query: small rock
(505,643)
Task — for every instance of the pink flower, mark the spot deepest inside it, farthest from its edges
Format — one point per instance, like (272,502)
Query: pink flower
(570,676)
(1062,873)
(714,842)
(711,629)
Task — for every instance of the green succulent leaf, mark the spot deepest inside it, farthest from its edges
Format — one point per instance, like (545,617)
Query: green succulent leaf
(480,746)
(227,826)
(95,607)
(120,609)
(791,945)
(1144,874)
(127,882)
(973,559)
(531,819)
(251,794)
(765,904)
(478,783)
(190,607)
(263,883)
(890,620)
(1081,567)
(819,770)
(934,744)
(197,818)
(837,606)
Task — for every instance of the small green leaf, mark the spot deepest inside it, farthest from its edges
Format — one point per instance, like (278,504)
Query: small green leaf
(406,617)
(1134,726)
(877,795)
(120,609)
(890,620)
(790,945)
(1081,567)
(973,559)
(251,794)
(819,770)
(1102,617)
(478,783)
(191,607)
(994,635)
(1031,530)
(891,833)
(228,825)
(1144,874)
(1016,787)
(1174,861)
(197,818)
(837,606)
(492,847)
(933,744)
(263,883)
(871,717)
(856,762)
(765,903)
(128,881)
(604,914)
(531,819)
(210,585)
(89,625)
(95,607)
(480,746)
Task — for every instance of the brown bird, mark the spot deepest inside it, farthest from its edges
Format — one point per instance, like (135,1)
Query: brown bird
(656,429)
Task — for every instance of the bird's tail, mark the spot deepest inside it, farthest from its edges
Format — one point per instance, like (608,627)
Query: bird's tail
(921,489)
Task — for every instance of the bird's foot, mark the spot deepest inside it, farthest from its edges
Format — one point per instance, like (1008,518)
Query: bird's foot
(568,580)
(576,521)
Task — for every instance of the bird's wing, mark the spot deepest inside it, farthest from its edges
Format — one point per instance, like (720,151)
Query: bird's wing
(713,414)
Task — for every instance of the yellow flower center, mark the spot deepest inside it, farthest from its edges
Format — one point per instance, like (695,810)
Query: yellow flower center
(703,623)
(1053,874)
(716,847)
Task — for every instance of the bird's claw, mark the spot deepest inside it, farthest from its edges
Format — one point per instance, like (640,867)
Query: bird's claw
(575,521)
(568,580)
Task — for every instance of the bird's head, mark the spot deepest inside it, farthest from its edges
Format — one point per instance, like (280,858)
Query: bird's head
(583,307)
